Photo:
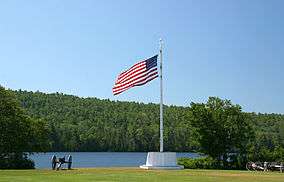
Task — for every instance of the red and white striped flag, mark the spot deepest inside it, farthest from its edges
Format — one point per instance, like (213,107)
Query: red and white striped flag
(139,74)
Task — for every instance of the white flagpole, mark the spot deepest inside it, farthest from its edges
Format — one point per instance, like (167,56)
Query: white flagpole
(161,98)
(161,160)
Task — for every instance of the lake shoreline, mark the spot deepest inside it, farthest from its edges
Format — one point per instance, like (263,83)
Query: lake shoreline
(98,159)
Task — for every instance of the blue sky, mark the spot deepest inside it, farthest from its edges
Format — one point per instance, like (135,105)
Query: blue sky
(232,49)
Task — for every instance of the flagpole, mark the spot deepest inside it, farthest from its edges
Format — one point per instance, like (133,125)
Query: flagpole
(161,98)
(161,160)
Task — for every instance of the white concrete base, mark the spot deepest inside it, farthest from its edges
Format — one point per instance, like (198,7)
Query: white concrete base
(161,160)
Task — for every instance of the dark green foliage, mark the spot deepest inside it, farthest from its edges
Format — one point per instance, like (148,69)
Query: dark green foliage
(224,130)
(19,133)
(269,137)
(199,163)
(17,160)
(207,163)
(90,124)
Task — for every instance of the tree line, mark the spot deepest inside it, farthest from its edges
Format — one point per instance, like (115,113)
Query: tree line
(91,124)
(217,128)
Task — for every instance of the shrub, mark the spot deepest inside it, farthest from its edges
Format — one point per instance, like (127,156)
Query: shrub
(199,163)
(16,161)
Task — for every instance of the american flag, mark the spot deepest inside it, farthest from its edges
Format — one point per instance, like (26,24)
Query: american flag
(139,74)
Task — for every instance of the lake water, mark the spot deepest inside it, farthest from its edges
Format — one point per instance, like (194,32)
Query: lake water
(98,159)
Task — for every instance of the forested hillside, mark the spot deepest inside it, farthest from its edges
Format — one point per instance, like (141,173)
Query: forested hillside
(268,141)
(91,124)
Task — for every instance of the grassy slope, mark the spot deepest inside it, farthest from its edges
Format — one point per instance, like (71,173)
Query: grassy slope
(135,174)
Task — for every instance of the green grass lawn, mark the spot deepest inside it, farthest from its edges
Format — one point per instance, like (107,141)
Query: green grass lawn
(136,174)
